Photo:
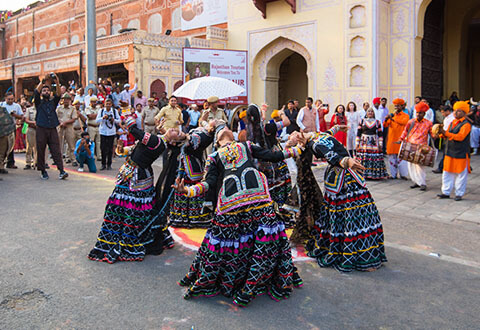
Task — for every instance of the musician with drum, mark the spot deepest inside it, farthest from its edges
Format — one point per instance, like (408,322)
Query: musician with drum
(457,153)
(416,134)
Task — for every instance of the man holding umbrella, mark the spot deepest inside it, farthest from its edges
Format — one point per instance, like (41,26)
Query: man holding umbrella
(213,112)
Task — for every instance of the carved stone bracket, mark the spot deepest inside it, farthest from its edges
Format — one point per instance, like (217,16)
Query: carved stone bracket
(262,5)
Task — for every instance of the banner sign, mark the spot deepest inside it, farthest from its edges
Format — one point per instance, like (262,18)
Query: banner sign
(228,64)
(201,13)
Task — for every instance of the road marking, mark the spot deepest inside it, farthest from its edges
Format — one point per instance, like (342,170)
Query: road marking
(295,254)
(427,254)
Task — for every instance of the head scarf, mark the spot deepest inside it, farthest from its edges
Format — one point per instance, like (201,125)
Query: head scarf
(461,105)
(421,107)
(399,101)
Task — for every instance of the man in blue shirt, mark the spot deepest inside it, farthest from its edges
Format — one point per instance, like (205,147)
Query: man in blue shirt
(84,151)
(195,114)
(47,122)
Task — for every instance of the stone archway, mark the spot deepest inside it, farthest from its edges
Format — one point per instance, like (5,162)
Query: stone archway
(457,62)
(268,62)
(158,87)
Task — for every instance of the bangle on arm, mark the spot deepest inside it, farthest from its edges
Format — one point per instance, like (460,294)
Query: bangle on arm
(344,162)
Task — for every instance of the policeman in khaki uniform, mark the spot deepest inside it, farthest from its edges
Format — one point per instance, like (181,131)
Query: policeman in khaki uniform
(67,115)
(91,112)
(213,112)
(79,123)
(149,113)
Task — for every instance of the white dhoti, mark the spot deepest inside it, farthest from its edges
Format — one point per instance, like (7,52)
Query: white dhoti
(475,137)
(397,166)
(417,174)
(459,180)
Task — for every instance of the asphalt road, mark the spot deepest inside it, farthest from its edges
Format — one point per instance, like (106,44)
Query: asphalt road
(47,282)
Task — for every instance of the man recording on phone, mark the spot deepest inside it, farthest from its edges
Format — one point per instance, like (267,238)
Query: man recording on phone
(108,117)
(47,122)
(84,151)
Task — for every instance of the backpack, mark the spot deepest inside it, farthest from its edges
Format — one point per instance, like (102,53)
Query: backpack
(7,124)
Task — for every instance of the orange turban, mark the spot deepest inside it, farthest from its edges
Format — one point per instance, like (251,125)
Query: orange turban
(242,114)
(462,105)
(421,107)
(399,102)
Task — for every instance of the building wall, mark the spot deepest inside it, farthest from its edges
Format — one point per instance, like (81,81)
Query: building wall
(62,22)
(355,49)
(335,43)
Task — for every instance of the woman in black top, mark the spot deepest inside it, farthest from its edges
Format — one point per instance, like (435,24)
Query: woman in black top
(129,224)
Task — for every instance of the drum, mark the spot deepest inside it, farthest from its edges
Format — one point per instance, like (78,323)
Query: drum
(418,154)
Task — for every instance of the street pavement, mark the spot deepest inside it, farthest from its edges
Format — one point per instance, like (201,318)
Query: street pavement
(431,280)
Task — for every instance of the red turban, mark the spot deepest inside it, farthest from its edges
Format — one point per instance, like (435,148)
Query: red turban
(399,101)
(421,107)
(376,100)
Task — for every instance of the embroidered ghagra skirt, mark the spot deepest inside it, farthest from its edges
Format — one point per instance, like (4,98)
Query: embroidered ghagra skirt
(349,234)
(128,224)
(371,157)
(188,212)
(279,186)
(245,253)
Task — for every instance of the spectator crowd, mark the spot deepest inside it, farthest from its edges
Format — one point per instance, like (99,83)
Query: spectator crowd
(80,126)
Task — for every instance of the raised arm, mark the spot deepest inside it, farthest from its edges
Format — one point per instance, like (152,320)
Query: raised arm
(199,139)
(273,156)
(208,183)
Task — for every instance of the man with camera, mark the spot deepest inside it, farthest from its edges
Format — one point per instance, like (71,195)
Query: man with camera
(47,122)
(84,150)
(108,117)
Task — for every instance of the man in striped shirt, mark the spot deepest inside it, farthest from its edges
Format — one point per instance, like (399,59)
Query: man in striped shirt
(416,131)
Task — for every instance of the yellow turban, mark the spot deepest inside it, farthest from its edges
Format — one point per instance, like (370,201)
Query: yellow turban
(275,114)
(462,105)
(243,114)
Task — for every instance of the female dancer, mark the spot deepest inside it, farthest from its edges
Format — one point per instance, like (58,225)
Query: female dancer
(348,234)
(188,211)
(339,118)
(245,251)
(353,119)
(265,135)
(129,225)
(369,147)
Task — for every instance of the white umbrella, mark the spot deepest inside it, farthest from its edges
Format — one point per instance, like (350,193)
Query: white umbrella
(204,87)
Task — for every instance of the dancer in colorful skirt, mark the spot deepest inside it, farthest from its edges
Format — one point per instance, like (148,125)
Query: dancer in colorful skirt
(348,234)
(264,134)
(129,222)
(245,251)
(189,211)
(369,147)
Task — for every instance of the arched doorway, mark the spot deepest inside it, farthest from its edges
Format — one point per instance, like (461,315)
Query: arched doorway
(432,53)
(276,67)
(293,80)
(158,87)
(449,48)
(472,87)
